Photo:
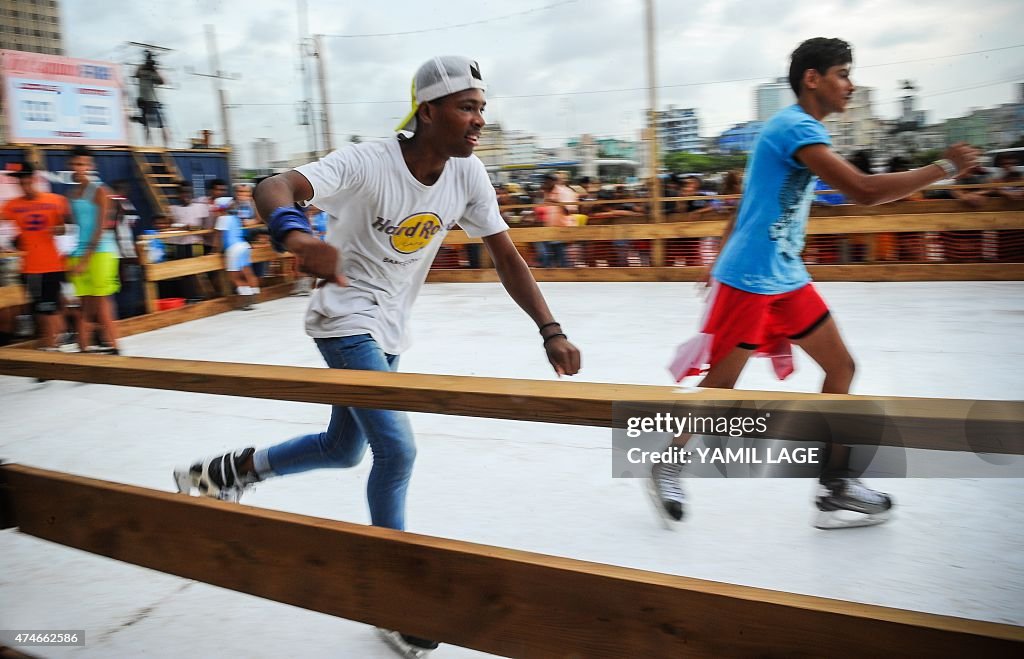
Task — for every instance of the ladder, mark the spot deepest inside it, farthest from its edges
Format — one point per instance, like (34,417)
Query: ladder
(160,174)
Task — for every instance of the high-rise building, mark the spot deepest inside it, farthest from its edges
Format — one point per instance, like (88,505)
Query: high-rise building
(770,97)
(32,26)
(679,130)
(521,148)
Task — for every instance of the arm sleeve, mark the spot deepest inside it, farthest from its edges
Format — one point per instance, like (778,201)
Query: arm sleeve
(803,133)
(482,217)
(333,175)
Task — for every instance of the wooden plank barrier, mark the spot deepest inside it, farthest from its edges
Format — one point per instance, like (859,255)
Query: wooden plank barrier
(159,319)
(816,226)
(633,228)
(920,423)
(505,601)
(881,272)
(208,263)
(12,296)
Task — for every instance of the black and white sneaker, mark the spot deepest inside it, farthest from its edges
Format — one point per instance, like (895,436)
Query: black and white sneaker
(408,646)
(666,492)
(218,477)
(847,502)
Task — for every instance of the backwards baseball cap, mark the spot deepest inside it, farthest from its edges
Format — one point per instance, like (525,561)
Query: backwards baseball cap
(439,77)
(224,203)
(19,169)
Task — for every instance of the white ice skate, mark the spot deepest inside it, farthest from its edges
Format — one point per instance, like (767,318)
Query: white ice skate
(846,503)
(666,493)
(217,477)
(407,646)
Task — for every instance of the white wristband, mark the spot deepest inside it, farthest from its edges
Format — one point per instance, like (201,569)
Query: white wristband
(948,167)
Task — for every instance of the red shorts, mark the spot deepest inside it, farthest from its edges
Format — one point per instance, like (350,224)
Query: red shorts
(738,319)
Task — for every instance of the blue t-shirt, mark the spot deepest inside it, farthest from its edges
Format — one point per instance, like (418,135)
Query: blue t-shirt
(762,255)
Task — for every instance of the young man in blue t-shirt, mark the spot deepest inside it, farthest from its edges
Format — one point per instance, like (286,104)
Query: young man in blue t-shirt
(762,299)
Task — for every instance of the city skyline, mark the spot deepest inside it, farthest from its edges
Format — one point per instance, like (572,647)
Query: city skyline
(555,70)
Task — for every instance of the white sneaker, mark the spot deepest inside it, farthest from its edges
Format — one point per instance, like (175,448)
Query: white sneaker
(218,477)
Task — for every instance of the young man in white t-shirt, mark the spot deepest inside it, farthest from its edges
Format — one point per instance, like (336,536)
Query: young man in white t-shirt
(390,205)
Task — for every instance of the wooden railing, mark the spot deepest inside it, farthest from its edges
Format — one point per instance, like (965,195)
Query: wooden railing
(509,602)
(951,241)
(197,265)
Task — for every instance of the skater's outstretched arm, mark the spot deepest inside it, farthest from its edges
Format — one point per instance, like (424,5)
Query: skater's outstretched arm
(872,189)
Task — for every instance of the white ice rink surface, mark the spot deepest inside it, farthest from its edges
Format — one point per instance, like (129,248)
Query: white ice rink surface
(953,547)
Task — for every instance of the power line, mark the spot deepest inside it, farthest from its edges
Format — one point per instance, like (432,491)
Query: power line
(406,101)
(928,59)
(669,86)
(453,26)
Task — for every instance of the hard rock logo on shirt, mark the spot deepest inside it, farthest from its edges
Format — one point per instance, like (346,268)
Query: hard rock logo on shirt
(413,233)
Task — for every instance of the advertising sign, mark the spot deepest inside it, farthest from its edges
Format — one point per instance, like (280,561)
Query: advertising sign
(59,100)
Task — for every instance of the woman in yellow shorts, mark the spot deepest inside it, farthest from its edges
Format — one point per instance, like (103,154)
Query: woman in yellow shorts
(92,266)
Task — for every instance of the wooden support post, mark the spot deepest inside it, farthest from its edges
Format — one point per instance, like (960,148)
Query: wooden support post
(149,287)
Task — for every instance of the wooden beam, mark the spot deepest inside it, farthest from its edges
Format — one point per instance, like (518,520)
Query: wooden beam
(937,424)
(816,226)
(853,272)
(991,204)
(206,263)
(12,296)
(160,319)
(851,224)
(262,253)
(919,272)
(892,208)
(184,267)
(509,602)
(205,309)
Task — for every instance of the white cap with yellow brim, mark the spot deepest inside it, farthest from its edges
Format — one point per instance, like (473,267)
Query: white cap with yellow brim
(439,77)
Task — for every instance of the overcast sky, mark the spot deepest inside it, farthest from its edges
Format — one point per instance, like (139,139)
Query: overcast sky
(555,68)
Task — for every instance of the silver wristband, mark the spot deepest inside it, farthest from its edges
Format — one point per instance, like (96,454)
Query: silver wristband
(948,167)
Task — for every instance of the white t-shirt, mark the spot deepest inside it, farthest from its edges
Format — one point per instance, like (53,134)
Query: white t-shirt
(194,217)
(388,227)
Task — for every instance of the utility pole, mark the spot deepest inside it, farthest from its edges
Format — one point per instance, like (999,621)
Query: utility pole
(222,96)
(658,252)
(318,52)
(307,83)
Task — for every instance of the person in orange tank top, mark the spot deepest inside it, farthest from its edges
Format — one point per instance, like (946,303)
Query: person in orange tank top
(37,218)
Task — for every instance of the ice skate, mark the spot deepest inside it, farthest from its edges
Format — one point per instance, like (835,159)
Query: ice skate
(411,647)
(847,502)
(217,477)
(666,493)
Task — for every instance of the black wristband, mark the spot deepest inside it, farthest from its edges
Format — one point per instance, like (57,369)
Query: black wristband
(547,325)
(553,336)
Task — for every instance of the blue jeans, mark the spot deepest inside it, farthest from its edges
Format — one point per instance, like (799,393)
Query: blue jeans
(343,444)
